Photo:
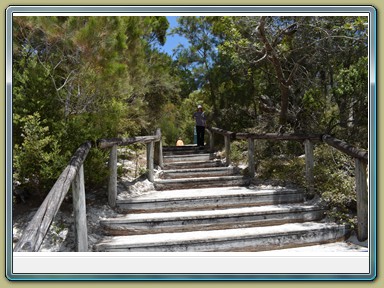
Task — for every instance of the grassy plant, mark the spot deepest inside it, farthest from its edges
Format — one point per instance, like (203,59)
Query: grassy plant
(238,153)
(334,182)
(334,179)
(284,169)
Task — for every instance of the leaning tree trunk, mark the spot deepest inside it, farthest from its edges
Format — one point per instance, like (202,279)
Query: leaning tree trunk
(284,104)
(284,82)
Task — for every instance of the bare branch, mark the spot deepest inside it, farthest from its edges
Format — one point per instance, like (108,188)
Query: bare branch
(66,80)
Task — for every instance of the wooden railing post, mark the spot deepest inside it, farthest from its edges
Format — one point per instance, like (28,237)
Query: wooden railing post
(211,141)
(150,161)
(227,140)
(362,199)
(251,158)
(308,147)
(112,185)
(79,209)
(160,152)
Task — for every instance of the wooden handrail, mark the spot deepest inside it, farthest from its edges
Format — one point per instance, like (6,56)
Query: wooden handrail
(266,136)
(113,143)
(108,143)
(37,228)
(279,136)
(220,131)
(346,148)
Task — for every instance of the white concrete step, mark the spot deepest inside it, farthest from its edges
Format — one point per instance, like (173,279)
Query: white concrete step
(201,182)
(192,164)
(199,172)
(188,158)
(181,150)
(209,198)
(149,223)
(243,239)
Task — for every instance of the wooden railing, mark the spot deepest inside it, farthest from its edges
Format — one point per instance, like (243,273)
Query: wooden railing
(360,156)
(73,175)
(113,143)
(37,228)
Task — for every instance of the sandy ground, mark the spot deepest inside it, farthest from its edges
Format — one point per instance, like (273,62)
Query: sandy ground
(61,234)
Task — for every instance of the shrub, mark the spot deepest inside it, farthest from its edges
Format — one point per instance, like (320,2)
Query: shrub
(283,168)
(334,182)
(333,173)
(38,160)
(239,152)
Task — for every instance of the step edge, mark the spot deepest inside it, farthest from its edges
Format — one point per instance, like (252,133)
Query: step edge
(211,238)
(213,216)
(201,197)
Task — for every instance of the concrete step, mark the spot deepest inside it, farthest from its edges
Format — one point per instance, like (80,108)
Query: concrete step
(202,182)
(208,198)
(200,172)
(166,222)
(188,158)
(229,240)
(192,164)
(180,150)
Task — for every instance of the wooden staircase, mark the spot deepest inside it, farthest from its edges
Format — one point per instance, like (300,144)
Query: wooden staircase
(201,205)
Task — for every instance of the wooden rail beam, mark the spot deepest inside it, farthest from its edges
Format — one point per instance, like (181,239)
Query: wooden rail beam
(278,136)
(108,143)
(37,228)
(221,131)
(346,148)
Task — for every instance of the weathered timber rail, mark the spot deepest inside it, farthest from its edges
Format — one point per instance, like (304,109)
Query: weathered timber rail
(37,228)
(114,142)
(73,176)
(360,156)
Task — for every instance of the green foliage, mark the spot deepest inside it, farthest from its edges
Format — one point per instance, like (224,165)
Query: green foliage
(352,99)
(177,121)
(96,169)
(83,78)
(239,152)
(38,159)
(334,182)
(285,169)
(169,125)
(334,178)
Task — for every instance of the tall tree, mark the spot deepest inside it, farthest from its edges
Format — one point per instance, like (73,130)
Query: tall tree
(298,54)
(83,78)
(201,56)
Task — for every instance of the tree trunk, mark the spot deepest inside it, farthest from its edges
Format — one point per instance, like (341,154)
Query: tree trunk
(284,82)
(284,104)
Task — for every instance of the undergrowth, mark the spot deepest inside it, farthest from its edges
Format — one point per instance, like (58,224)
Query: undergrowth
(333,173)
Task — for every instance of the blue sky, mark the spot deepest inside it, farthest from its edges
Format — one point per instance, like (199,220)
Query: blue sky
(172,40)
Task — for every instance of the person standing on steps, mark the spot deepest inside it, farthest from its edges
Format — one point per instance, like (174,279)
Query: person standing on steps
(200,120)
